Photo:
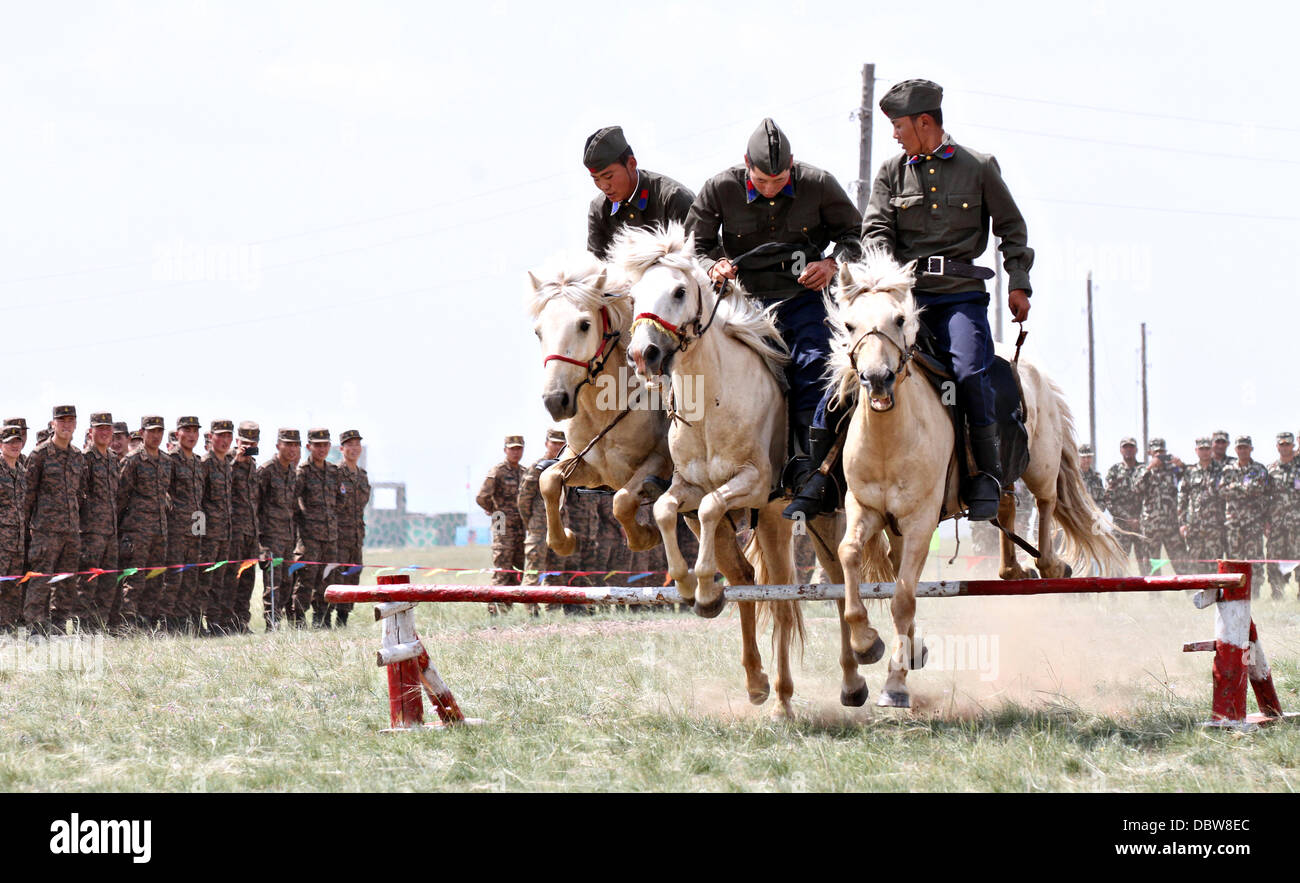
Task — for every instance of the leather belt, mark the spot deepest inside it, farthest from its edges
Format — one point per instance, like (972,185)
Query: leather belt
(938,265)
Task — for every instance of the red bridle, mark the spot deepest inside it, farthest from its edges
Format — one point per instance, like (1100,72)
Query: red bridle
(596,362)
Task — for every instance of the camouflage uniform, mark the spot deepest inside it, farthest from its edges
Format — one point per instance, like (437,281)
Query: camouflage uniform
(13,520)
(1284,517)
(611,552)
(316,491)
(142,506)
(1158,491)
(354,494)
(500,493)
(237,587)
(56,485)
(1200,510)
(214,545)
(101,596)
(180,602)
(1246,491)
(276,512)
(1096,487)
(538,556)
(1126,509)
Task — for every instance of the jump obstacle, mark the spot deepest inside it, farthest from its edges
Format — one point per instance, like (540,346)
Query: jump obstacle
(1238,654)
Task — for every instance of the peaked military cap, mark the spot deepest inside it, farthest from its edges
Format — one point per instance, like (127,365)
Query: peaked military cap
(43,434)
(65,411)
(603,147)
(1286,437)
(556,435)
(1085,450)
(223,426)
(152,422)
(911,96)
(183,422)
(514,441)
(1156,444)
(1245,440)
(101,418)
(769,149)
(137,435)
(20,422)
(1203,441)
(348,434)
(10,432)
(120,427)
(1220,435)
(1128,440)
(249,431)
(317,435)
(289,435)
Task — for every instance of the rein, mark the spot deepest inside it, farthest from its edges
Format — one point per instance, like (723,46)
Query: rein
(596,363)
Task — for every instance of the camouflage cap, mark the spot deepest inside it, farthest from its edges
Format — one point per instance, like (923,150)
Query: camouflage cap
(43,434)
(769,149)
(1285,438)
(152,422)
(20,422)
(223,426)
(249,431)
(1203,441)
(603,148)
(65,411)
(1219,435)
(514,441)
(10,432)
(348,435)
(1244,440)
(911,96)
(1156,444)
(119,427)
(186,422)
(556,435)
(1085,450)
(318,435)
(101,418)
(291,436)
(137,435)
(1128,440)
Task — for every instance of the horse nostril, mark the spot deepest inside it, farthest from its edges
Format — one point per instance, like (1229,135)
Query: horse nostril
(889,376)
(651,353)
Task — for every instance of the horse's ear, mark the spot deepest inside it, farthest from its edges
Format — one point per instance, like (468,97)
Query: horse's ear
(600,280)
(537,283)
(846,277)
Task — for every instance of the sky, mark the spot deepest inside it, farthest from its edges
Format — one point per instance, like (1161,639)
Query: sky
(322,214)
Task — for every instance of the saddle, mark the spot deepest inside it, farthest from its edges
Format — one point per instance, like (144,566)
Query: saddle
(1009,414)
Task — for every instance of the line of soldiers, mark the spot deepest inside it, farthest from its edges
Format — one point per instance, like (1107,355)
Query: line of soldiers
(1215,508)
(124,504)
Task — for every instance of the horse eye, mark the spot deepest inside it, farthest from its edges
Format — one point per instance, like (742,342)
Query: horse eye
(679,292)
(584,325)
(898,320)
(849,327)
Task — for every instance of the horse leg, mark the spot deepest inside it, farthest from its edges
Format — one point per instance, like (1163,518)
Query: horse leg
(853,687)
(559,538)
(1049,563)
(639,536)
(709,599)
(776,554)
(907,655)
(1010,567)
(861,524)
(739,572)
(679,494)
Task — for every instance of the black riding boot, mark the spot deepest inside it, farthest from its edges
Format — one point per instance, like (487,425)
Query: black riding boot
(985,487)
(818,493)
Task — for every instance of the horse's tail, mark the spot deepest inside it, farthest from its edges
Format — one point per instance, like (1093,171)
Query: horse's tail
(876,566)
(1089,536)
(767,609)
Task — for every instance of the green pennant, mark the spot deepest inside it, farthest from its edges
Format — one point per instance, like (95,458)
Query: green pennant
(215,566)
(276,562)
(1158,563)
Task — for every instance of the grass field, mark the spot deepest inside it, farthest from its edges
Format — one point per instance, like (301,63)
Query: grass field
(1074,694)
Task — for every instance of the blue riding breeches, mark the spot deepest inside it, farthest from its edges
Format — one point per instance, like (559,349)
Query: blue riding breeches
(960,325)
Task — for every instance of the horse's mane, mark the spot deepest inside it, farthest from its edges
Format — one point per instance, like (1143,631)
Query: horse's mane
(574,278)
(637,249)
(876,273)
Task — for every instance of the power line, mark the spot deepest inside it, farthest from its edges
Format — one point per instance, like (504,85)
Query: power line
(1162,148)
(1174,211)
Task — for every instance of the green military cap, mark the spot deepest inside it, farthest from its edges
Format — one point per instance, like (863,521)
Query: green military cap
(1219,435)
(101,418)
(152,422)
(1156,444)
(223,426)
(348,435)
(556,435)
(317,435)
(20,422)
(43,434)
(10,432)
(1285,438)
(119,427)
(769,149)
(249,431)
(1085,450)
(1128,440)
(514,441)
(603,148)
(1203,441)
(137,435)
(1244,440)
(65,411)
(185,422)
(288,435)
(911,97)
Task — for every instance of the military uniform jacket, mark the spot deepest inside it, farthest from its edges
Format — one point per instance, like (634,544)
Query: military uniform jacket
(13,506)
(142,493)
(276,500)
(354,494)
(316,490)
(1158,489)
(56,485)
(1246,495)
(243,497)
(1121,497)
(1200,502)
(500,493)
(657,199)
(1285,510)
(941,204)
(1096,487)
(532,509)
(813,211)
(215,502)
(186,491)
(99,510)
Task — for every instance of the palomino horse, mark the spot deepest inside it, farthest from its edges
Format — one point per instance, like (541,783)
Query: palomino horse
(583,327)
(898,459)
(729,431)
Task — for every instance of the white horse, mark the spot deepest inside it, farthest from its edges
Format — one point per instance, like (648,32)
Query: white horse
(898,459)
(724,358)
(582,323)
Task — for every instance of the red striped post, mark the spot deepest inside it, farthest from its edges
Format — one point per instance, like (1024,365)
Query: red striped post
(405,707)
(1231,643)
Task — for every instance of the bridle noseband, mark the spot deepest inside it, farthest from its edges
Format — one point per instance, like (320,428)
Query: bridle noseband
(680,332)
(905,355)
(596,363)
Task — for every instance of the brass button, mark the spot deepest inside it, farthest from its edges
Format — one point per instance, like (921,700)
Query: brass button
(929,157)
(631,215)
(964,205)
(805,229)
(932,189)
(931,171)
(934,205)
(771,202)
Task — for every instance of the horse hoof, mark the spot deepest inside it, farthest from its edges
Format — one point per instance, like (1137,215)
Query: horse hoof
(758,697)
(709,611)
(892,699)
(854,698)
(782,711)
(1031,574)
(874,653)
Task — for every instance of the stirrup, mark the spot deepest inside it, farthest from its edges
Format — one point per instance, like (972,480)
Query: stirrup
(654,487)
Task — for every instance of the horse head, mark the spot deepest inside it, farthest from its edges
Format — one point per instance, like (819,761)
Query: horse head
(875,321)
(580,319)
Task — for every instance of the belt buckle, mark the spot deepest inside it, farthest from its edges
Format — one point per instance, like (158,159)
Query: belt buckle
(934,265)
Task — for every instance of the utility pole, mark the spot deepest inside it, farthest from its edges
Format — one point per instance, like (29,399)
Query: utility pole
(1145,440)
(1092,375)
(864,135)
(997,290)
